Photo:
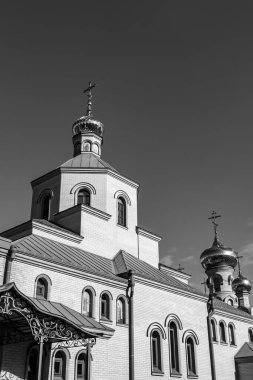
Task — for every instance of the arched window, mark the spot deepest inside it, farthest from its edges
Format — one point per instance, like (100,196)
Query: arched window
(230,302)
(42,288)
(121,212)
(231,334)
(87,303)
(95,148)
(59,366)
(173,345)
(222,332)
(32,364)
(83,197)
(81,367)
(251,335)
(121,311)
(156,355)
(213,330)
(45,207)
(190,357)
(86,146)
(105,307)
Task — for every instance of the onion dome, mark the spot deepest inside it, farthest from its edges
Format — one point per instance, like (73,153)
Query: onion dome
(218,255)
(87,124)
(241,284)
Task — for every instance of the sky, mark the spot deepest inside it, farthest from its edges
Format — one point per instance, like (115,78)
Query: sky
(174,91)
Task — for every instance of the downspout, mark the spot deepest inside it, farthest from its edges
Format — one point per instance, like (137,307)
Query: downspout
(129,295)
(210,309)
(9,259)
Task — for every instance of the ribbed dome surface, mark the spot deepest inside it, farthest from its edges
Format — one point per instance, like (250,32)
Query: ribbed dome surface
(88,124)
(241,283)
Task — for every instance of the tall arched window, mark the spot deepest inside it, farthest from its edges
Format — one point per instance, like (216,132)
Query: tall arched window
(156,354)
(87,303)
(190,356)
(59,366)
(231,334)
(217,282)
(173,345)
(121,212)
(121,311)
(105,306)
(32,364)
(81,367)
(213,330)
(45,208)
(251,335)
(42,288)
(222,332)
(83,197)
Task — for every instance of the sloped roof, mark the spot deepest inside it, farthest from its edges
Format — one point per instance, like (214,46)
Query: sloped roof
(87,160)
(218,304)
(50,250)
(245,351)
(46,223)
(123,262)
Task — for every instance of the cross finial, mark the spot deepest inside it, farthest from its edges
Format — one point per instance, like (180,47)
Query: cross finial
(213,219)
(88,90)
(238,262)
(180,268)
(204,283)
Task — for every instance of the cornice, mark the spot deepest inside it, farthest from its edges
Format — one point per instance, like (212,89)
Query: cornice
(46,176)
(82,208)
(237,317)
(58,233)
(150,235)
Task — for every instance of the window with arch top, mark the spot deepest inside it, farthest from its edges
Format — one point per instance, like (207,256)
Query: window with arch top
(45,207)
(81,366)
(121,311)
(156,352)
(231,334)
(42,288)
(190,357)
(105,306)
(250,335)
(59,366)
(222,333)
(121,212)
(87,304)
(83,197)
(213,330)
(173,348)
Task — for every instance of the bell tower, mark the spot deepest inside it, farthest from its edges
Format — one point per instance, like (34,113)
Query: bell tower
(219,263)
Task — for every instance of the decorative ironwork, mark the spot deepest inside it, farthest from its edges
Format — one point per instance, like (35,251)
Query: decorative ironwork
(4,375)
(41,329)
(77,343)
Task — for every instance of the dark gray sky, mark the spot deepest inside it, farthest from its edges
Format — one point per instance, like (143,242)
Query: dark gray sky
(174,91)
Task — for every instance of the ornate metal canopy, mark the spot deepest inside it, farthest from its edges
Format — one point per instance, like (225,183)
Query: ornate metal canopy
(22,318)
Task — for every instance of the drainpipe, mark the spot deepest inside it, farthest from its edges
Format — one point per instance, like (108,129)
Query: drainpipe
(210,309)
(9,259)
(129,295)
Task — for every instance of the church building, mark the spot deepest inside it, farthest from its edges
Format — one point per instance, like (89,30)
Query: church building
(83,295)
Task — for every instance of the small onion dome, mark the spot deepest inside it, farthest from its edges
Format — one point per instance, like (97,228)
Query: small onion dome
(218,255)
(88,124)
(241,284)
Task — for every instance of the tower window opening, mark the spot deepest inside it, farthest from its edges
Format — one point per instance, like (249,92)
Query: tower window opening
(217,281)
(45,207)
(222,333)
(213,328)
(231,334)
(121,212)
(83,197)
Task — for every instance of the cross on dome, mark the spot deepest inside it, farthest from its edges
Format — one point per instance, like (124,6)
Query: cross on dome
(88,90)
(213,219)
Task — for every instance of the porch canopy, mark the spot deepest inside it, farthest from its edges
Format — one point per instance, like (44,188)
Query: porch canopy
(24,318)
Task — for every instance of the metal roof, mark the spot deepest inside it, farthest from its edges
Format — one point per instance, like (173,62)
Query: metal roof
(223,306)
(245,351)
(87,160)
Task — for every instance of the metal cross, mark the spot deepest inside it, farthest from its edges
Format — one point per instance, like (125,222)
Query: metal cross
(180,268)
(88,90)
(238,262)
(213,219)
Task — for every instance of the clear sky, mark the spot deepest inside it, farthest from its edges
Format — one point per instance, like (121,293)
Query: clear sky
(174,92)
